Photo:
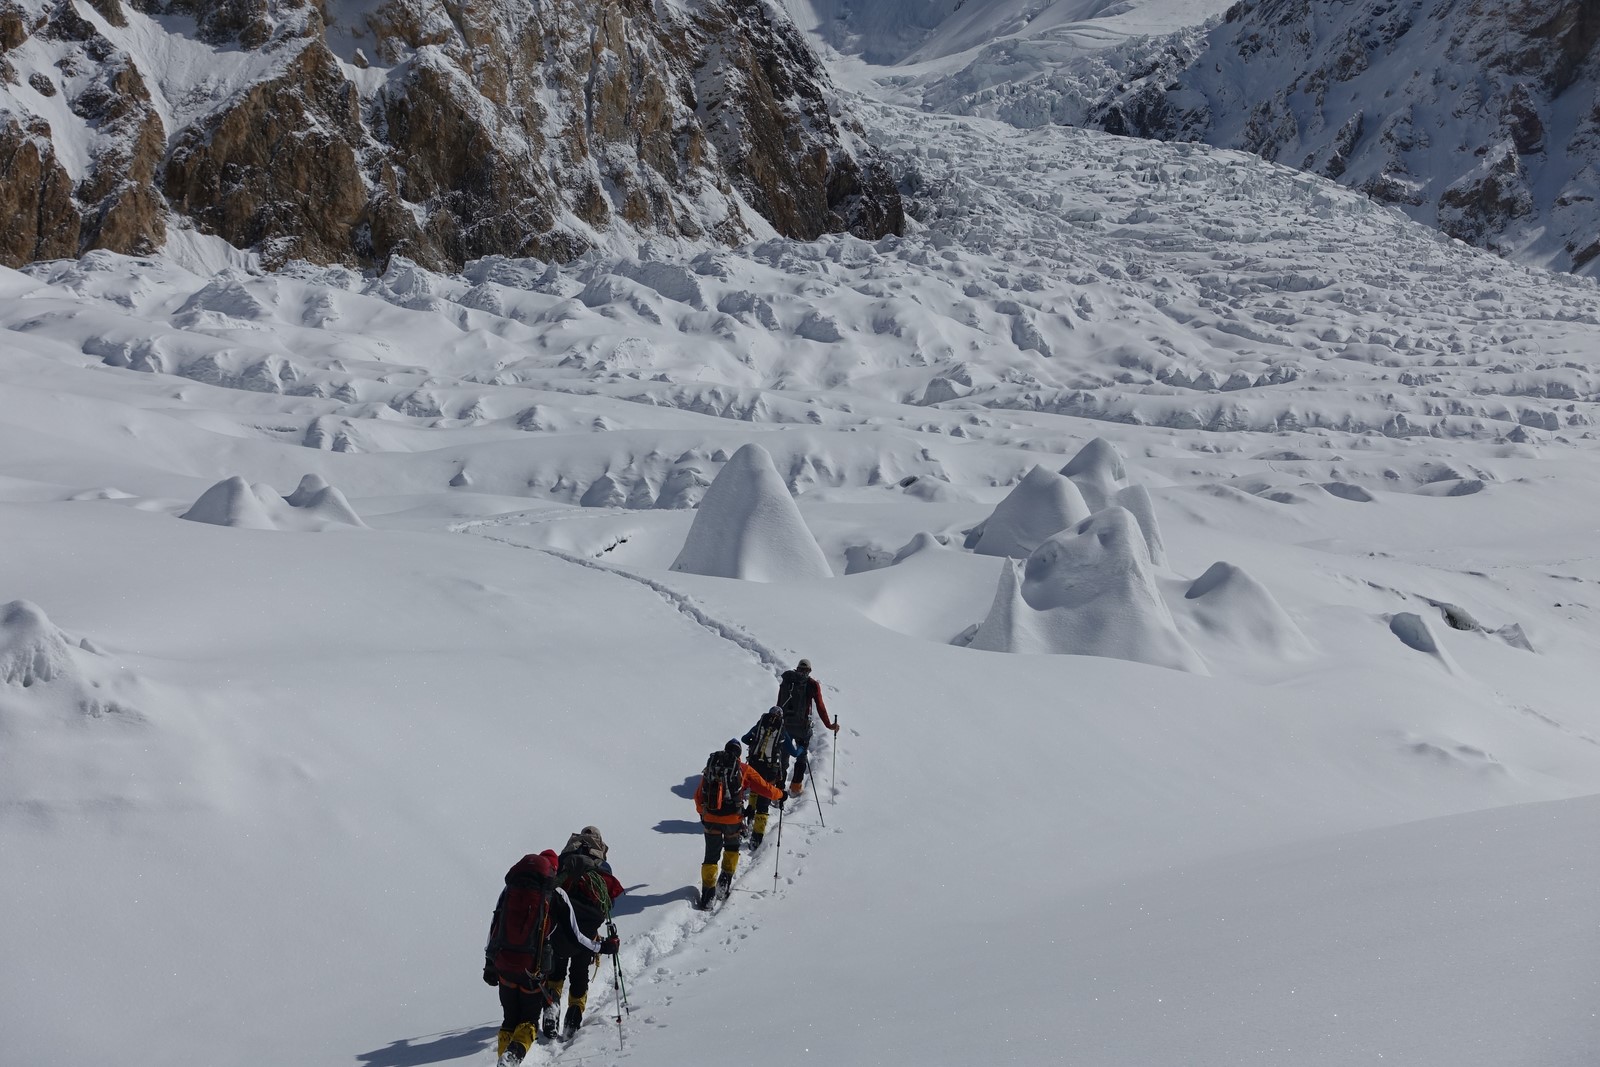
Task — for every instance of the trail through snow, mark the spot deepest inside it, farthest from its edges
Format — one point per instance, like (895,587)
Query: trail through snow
(332,738)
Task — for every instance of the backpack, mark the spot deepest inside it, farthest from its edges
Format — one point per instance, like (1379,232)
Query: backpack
(766,739)
(721,784)
(517,944)
(794,697)
(584,851)
(579,874)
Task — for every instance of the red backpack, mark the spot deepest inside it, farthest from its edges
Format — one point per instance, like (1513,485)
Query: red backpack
(517,945)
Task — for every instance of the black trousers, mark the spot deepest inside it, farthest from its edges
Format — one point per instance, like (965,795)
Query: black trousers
(772,772)
(720,837)
(575,969)
(520,1006)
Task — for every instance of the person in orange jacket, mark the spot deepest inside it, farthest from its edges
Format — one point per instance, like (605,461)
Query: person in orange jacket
(719,798)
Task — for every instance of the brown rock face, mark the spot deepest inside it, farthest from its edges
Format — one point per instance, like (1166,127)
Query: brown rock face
(1478,207)
(805,184)
(35,195)
(480,127)
(122,211)
(277,169)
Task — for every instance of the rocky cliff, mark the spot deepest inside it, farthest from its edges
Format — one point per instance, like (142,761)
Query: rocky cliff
(345,131)
(1479,116)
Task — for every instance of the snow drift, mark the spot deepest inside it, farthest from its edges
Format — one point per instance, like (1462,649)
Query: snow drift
(234,502)
(40,666)
(1087,592)
(1227,608)
(748,527)
(1042,504)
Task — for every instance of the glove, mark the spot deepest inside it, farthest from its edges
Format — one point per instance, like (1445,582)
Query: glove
(609,946)
(490,975)
(782,799)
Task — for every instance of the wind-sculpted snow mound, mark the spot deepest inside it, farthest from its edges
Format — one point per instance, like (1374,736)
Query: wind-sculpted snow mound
(1042,504)
(41,666)
(1099,471)
(1101,475)
(1087,592)
(1228,611)
(1415,633)
(233,502)
(749,527)
(314,505)
(314,496)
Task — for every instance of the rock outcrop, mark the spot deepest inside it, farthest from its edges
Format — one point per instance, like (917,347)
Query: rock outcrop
(442,130)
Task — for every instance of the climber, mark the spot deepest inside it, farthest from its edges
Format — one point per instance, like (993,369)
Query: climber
(719,798)
(797,692)
(518,955)
(584,875)
(770,750)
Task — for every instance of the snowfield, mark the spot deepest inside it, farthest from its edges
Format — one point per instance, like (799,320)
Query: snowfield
(1278,748)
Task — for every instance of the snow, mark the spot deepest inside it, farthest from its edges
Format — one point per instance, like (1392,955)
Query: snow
(234,502)
(1042,504)
(748,527)
(1089,591)
(270,789)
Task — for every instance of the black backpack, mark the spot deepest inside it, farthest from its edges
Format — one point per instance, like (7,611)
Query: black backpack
(794,697)
(721,784)
(766,739)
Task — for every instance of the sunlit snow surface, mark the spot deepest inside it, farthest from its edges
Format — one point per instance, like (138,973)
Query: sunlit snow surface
(261,773)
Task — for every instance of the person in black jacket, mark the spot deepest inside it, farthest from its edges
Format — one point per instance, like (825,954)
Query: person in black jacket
(584,878)
(797,692)
(769,750)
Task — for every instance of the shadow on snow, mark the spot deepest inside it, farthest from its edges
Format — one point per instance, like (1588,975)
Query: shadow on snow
(436,1048)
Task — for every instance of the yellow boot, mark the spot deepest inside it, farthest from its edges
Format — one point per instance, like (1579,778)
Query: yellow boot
(547,1018)
(758,830)
(574,1018)
(522,1039)
(708,879)
(501,1041)
(730,863)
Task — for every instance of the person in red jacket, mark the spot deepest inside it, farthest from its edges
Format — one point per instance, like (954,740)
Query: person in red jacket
(517,955)
(797,692)
(719,798)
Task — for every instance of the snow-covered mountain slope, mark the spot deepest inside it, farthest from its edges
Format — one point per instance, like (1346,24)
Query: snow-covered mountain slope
(1473,117)
(1367,447)
(931,37)
(1476,117)
(442,132)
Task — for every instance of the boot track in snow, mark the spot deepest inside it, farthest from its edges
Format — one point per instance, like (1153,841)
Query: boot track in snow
(644,959)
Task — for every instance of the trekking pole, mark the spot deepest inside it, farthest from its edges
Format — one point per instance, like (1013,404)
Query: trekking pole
(777,860)
(814,796)
(616,988)
(833,794)
(622,982)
